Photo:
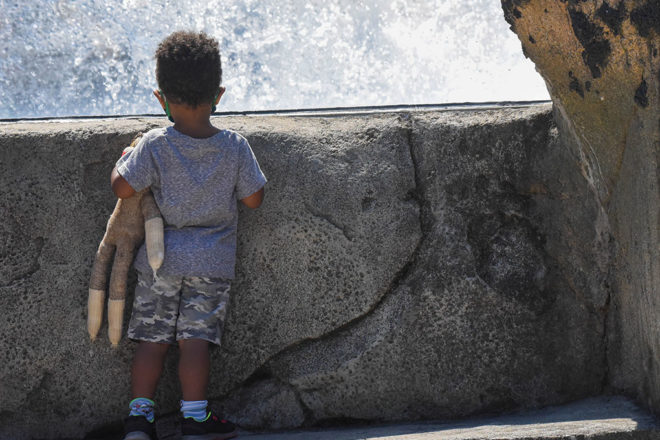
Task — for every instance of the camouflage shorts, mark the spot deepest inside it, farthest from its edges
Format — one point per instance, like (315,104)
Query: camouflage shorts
(167,309)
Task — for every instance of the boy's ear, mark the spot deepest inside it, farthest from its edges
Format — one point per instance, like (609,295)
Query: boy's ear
(160,98)
(221,92)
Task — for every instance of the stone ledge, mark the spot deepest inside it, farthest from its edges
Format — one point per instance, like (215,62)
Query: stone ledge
(603,418)
(451,259)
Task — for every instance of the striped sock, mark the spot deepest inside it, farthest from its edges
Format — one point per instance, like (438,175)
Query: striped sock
(195,409)
(142,406)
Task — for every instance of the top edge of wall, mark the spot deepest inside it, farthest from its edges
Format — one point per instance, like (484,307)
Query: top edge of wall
(328,111)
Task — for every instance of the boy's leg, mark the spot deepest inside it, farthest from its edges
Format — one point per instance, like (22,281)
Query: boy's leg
(198,422)
(147,368)
(194,364)
(153,325)
(201,319)
(145,372)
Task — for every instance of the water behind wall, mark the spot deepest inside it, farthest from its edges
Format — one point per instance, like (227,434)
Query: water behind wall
(95,57)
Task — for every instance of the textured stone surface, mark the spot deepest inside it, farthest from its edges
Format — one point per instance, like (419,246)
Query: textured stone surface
(601,62)
(403,266)
(338,225)
(493,305)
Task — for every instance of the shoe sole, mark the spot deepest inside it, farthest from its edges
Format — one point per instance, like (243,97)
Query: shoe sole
(137,435)
(211,436)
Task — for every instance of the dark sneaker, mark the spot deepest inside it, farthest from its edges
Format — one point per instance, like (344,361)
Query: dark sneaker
(138,428)
(213,428)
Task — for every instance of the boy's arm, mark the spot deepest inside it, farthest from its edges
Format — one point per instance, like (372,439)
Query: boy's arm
(120,186)
(254,200)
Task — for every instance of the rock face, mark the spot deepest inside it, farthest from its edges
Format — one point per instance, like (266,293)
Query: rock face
(600,61)
(403,266)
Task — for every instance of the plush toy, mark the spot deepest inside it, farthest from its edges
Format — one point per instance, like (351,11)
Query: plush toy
(134,219)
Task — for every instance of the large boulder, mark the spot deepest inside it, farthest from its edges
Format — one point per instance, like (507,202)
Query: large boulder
(601,64)
(501,306)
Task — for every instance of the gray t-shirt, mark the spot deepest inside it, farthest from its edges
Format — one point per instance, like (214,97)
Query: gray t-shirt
(196,184)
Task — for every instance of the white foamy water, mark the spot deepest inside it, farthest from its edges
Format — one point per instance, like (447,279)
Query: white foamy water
(95,57)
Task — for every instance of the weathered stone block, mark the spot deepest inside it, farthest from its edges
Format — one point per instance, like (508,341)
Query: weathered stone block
(491,308)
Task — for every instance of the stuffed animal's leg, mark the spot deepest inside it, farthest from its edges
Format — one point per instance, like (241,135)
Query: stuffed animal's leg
(123,260)
(97,284)
(153,231)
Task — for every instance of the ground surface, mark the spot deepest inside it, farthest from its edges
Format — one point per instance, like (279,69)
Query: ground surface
(596,418)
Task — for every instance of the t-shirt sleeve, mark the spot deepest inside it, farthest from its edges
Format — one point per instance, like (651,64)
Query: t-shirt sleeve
(250,177)
(138,167)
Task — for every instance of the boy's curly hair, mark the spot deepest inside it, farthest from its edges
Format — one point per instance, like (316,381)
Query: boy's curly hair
(188,68)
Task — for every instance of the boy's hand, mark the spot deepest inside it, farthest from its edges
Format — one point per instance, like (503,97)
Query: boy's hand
(254,201)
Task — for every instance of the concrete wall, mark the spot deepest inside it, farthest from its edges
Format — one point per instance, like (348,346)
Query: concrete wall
(408,265)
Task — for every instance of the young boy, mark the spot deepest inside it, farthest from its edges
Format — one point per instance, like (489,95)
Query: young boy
(197,173)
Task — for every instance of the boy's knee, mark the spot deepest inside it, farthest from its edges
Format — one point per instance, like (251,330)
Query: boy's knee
(193,345)
(152,349)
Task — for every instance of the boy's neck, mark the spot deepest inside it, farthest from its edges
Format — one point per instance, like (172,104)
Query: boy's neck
(199,131)
(193,122)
